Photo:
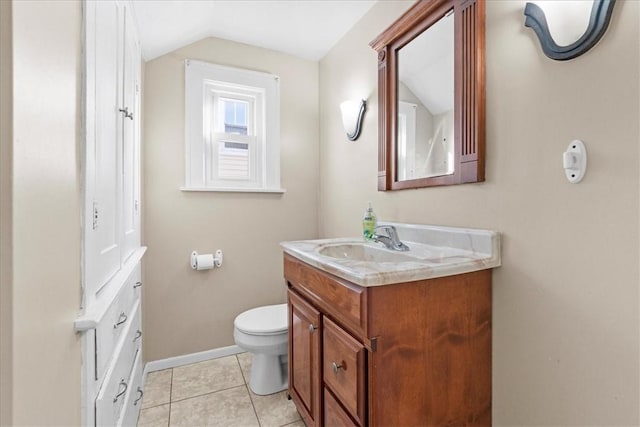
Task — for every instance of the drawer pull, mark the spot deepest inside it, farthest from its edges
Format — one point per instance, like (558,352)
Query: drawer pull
(137,285)
(124,390)
(335,367)
(312,328)
(138,335)
(140,394)
(121,320)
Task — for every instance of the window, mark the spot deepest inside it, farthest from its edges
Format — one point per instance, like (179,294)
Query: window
(232,129)
(406,140)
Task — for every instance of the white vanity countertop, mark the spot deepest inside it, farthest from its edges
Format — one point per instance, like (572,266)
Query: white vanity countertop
(434,252)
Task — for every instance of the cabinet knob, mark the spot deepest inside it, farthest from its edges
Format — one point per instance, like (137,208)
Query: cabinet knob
(335,367)
(312,328)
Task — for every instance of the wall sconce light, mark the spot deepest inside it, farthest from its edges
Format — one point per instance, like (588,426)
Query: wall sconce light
(598,22)
(352,115)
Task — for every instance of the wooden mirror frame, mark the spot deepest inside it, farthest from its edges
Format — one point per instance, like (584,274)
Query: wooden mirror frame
(469,92)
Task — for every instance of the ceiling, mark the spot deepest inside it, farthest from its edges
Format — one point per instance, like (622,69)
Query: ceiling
(304,28)
(426,66)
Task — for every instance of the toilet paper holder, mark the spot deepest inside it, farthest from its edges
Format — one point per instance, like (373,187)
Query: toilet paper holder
(206,261)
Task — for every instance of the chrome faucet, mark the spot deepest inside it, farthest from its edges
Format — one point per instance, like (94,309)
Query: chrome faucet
(390,240)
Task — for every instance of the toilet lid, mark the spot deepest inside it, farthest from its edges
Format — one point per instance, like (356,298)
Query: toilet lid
(267,320)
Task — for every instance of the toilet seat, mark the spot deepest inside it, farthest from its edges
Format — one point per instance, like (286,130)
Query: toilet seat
(267,320)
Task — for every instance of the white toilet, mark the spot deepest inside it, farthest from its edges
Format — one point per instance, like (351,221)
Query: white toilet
(263,331)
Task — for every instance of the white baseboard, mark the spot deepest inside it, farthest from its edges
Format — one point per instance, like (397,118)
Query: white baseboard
(174,362)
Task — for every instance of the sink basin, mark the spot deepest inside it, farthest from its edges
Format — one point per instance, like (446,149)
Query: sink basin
(363,252)
(435,252)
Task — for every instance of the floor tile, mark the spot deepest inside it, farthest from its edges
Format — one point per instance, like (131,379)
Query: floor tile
(154,417)
(157,389)
(245,364)
(274,410)
(205,377)
(298,423)
(225,408)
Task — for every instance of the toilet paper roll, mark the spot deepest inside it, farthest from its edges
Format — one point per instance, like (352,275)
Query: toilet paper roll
(202,262)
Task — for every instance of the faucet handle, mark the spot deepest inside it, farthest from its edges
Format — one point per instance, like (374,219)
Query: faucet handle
(390,230)
(392,235)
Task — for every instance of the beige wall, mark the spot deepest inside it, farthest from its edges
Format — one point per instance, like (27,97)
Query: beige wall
(565,300)
(565,316)
(188,311)
(5,213)
(46,212)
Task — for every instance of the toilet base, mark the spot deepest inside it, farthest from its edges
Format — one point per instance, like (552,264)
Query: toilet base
(269,374)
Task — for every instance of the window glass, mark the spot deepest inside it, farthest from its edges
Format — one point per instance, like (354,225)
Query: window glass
(235,116)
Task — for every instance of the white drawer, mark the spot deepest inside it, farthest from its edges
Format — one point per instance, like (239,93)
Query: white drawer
(116,387)
(132,405)
(115,322)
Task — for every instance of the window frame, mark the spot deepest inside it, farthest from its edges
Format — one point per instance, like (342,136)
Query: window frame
(203,82)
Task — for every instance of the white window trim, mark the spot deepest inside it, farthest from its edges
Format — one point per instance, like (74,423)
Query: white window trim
(196,74)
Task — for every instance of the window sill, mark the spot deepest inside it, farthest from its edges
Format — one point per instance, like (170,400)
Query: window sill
(235,190)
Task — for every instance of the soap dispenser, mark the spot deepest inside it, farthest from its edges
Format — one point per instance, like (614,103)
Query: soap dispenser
(369,223)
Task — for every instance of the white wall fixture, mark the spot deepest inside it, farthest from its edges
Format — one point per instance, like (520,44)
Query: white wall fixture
(206,261)
(574,161)
(352,115)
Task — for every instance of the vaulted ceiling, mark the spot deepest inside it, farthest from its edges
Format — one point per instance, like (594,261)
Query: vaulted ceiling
(304,28)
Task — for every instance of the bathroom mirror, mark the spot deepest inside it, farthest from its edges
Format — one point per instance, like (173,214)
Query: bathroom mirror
(431,96)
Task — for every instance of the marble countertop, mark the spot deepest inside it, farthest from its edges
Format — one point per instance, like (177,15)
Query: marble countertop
(434,252)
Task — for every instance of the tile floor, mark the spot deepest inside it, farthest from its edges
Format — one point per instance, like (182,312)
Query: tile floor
(212,393)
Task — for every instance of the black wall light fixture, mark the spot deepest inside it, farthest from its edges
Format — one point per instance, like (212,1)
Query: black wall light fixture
(598,23)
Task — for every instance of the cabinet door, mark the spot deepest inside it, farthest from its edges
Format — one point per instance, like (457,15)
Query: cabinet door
(304,358)
(102,168)
(130,139)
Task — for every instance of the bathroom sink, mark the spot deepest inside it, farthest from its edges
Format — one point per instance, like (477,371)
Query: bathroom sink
(434,252)
(363,252)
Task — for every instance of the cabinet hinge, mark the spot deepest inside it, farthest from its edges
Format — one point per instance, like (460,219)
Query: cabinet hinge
(95,215)
(135,206)
(374,343)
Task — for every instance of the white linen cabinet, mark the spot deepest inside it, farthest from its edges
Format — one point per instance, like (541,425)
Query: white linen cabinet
(110,319)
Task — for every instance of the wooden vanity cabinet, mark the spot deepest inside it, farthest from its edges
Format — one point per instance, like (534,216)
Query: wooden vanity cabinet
(407,354)
(304,357)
